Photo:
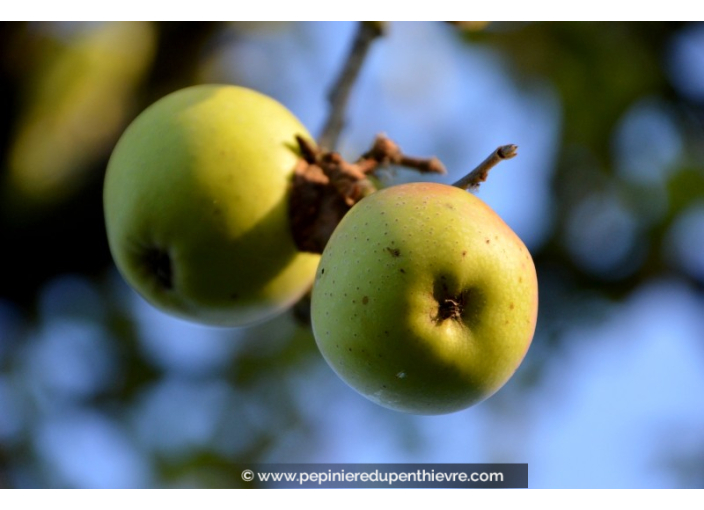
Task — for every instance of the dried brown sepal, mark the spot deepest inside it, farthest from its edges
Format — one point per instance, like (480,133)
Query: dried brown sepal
(309,151)
(315,207)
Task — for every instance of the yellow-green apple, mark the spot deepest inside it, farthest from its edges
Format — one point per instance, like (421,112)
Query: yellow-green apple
(425,301)
(196,206)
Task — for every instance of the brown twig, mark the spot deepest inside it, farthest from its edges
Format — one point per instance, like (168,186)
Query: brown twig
(472,180)
(339,94)
(386,152)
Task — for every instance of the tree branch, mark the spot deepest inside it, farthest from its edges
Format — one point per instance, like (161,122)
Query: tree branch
(339,94)
(386,152)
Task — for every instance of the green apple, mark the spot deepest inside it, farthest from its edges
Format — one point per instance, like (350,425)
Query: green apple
(196,206)
(425,301)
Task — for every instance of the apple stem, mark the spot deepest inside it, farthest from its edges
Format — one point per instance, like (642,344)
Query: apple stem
(473,179)
(339,94)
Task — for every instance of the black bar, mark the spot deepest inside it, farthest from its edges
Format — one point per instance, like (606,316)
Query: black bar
(378,476)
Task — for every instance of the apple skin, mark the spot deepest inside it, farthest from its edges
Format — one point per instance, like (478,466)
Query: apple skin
(196,206)
(425,301)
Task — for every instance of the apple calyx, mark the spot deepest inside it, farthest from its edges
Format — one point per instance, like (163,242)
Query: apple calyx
(451,308)
(325,186)
(158,264)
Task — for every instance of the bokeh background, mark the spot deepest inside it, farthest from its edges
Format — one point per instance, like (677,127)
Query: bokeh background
(98,389)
